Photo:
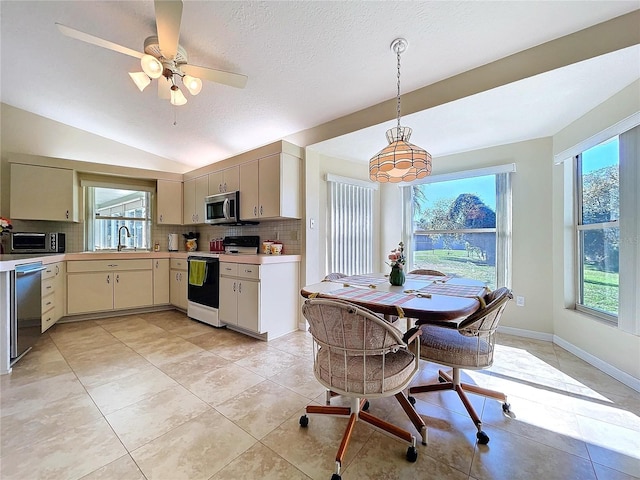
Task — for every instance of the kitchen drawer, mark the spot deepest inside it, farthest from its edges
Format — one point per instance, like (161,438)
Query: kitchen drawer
(229,269)
(48,286)
(49,272)
(48,319)
(48,303)
(248,271)
(108,265)
(178,264)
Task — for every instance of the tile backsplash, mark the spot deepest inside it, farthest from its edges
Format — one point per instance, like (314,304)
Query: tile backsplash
(288,232)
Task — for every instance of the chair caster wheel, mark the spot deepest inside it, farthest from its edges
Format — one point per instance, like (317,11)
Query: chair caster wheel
(412,400)
(412,454)
(335,476)
(482,437)
(506,407)
(304,421)
(365,407)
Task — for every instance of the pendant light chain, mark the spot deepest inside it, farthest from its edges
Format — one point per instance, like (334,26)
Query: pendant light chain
(398,48)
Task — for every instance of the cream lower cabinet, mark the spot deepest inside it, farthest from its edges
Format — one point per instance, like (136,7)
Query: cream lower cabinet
(261,300)
(240,296)
(161,281)
(178,283)
(103,285)
(54,296)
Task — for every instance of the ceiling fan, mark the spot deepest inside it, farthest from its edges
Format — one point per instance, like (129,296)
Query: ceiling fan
(164,58)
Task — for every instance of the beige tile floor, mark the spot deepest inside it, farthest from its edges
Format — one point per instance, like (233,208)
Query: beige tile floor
(159,396)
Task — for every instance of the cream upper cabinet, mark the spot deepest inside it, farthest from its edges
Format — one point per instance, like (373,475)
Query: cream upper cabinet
(161,281)
(195,191)
(169,202)
(249,191)
(44,193)
(270,188)
(224,181)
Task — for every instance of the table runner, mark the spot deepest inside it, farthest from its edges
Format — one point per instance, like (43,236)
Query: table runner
(363,280)
(428,278)
(454,290)
(369,295)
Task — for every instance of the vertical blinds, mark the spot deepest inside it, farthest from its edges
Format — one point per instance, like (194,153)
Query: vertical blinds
(350,225)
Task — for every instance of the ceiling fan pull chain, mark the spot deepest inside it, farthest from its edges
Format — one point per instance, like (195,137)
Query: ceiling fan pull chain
(175,115)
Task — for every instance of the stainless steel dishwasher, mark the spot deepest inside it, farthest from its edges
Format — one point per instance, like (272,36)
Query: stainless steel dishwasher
(26,314)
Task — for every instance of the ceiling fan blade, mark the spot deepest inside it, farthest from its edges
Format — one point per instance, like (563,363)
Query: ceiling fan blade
(85,37)
(164,88)
(218,76)
(168,18)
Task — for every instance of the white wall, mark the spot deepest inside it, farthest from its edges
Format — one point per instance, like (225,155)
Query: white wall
(317,166)
(603,341)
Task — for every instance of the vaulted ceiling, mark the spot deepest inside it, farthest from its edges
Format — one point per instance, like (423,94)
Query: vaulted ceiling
(309,64)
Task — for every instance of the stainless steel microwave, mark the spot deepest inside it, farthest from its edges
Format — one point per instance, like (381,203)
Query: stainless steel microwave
(30,242)
(223,208)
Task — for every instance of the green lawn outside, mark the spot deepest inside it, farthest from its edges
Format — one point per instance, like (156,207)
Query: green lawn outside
(458,263)
(601,290)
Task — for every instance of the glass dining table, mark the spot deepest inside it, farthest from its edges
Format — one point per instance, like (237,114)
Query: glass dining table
(428,298)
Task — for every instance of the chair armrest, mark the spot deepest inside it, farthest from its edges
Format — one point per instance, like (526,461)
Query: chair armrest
(411,335)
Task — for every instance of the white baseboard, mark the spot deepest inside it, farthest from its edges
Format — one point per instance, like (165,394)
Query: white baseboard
(519,332)
(614,372)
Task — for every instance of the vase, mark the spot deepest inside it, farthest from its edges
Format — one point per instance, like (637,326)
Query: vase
(396,277)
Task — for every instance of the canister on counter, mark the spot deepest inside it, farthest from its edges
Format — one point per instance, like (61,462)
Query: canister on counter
(266,247)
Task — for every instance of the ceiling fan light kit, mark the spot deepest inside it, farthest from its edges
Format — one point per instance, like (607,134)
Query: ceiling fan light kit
(141,80)
(164,57)
(151,66)
(400,161)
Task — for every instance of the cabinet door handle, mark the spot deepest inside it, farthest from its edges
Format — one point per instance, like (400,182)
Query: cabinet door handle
(161,218)
(67,214)
(156,263)
(255,211)
(117,278)
(57,269)
(48,287)
(225,186)
(240,287)
(234,286)
(260,210)
(108,279)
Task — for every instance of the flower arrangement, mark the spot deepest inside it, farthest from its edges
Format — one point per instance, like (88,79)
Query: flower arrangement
(5,225)
(397,257)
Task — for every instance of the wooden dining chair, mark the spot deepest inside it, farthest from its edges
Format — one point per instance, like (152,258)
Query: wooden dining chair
(359,355)
(469,344)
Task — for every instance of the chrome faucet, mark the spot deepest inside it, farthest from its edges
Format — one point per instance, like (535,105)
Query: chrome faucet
(120,245)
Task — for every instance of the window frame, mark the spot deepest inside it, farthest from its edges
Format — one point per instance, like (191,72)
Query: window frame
(90,210)
(579,228)
(503,221)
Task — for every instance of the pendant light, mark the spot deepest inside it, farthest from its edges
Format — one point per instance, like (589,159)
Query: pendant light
(400,161)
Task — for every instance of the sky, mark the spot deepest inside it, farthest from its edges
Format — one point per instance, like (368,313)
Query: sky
(602,155)
(484,187)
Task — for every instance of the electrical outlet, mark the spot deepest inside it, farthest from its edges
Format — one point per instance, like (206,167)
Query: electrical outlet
(520,301)
(312,224)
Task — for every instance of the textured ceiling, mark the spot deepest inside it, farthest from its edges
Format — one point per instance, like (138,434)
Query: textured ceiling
(308,63)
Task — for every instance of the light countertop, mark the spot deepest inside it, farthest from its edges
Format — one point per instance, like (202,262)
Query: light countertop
(9,262)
